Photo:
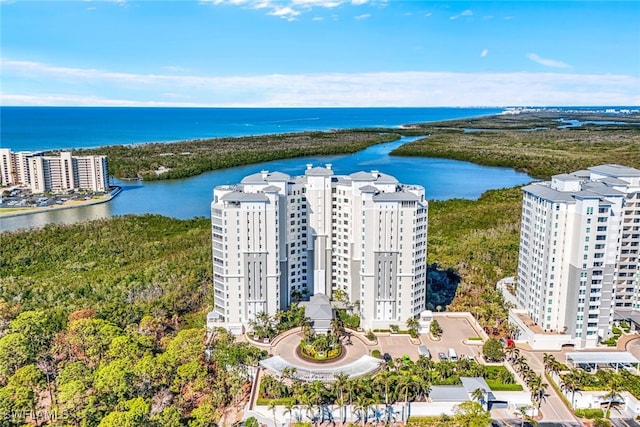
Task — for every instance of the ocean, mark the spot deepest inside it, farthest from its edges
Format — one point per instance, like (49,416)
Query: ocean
(50,128)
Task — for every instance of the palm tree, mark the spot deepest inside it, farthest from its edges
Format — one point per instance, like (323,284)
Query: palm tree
(512,352)
(424,386)
(571,383)
(405,384)
(478,395)
(336,327)
(523,413)
(307,332)
(519,364)
(551,365)
(289,407)
(339,386)
(382,382)
(412,326)
(614,387)
(272,408)
(363,404)
(538,390)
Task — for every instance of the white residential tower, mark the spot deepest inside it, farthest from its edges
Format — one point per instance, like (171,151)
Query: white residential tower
(578,255)
(274,235)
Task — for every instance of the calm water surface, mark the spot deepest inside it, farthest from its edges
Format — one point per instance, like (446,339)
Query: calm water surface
(191,197)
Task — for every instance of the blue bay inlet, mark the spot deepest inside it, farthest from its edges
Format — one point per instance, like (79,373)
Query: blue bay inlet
(191,197)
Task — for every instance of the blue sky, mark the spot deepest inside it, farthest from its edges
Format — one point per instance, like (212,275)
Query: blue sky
(316,53)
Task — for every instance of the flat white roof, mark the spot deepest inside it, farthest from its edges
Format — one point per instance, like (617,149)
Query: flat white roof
(602,357)
(364,365)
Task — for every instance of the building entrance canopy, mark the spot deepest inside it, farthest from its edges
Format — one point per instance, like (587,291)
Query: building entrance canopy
(363,366)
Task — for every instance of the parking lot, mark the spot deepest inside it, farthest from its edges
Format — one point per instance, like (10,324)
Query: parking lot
(456,331)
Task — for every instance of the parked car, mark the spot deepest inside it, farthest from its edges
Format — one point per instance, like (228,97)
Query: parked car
(424,351)
(442,357)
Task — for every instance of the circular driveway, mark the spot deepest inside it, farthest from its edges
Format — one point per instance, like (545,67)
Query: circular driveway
(353,349)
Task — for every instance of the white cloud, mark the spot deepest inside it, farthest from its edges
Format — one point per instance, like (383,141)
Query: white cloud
(317,18)
(428,14)
(363,16)
(547,62)
(463,13)
(290,9)
(57,85)
(484,53)
(284,12)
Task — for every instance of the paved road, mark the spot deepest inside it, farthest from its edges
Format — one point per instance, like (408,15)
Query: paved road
(553,408)
(624,422)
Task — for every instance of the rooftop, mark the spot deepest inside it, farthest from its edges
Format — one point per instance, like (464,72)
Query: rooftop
(615,170)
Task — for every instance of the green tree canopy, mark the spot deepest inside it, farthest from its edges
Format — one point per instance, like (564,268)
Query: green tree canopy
(493,351)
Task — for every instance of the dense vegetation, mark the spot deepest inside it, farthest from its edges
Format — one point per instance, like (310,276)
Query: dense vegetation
(123,268)
(102,324)
(478,240)
(189,158)
(511,141)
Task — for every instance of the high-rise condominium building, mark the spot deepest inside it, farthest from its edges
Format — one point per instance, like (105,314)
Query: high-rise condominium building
(44,173)
(275,236)
(578,258)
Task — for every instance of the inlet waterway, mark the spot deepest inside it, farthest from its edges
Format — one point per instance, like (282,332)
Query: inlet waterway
(191,197)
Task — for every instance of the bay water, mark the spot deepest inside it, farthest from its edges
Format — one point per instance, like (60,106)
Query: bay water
(191,197)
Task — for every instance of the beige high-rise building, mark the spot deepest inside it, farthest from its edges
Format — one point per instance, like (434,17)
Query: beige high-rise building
(275,235)
(53,173)
(578,257)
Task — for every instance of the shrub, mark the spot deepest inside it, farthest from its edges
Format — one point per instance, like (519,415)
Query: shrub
(497,385)
(263,401)
(394,329)
(474,339)
(616,331)
(370,336)
(376,353)
(590,413)
(435,329)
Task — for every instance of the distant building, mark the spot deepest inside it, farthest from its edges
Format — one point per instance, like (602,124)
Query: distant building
(276,236)
(53,173)
(578,260)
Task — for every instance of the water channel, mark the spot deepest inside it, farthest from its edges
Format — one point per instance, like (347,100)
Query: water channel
(191,197)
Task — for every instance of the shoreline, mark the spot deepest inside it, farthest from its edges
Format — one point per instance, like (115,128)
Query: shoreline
(29,211)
